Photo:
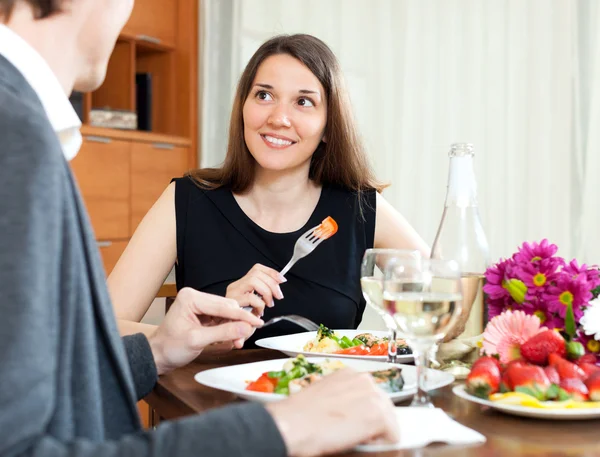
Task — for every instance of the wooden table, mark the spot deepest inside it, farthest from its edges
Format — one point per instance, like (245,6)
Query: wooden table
(177,395)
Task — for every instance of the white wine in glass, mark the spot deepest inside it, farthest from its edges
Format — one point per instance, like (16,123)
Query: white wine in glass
(371,282)
(425,298)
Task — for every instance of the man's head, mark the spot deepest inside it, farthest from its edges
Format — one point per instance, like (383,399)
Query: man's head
(76,37)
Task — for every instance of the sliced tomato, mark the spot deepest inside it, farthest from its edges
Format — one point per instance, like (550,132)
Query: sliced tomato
(263,384)
(327,228)
(355,350)
(379,349)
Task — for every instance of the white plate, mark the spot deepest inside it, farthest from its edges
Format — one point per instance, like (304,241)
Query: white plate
(235,378)
(527,411)
(293,345)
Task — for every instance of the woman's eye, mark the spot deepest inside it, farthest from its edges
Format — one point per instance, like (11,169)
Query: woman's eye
(305,102)
(262,95)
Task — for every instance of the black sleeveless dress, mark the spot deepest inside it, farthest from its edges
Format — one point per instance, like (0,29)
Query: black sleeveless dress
(217,244)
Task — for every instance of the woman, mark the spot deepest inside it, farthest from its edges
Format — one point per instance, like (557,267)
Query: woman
(294,158)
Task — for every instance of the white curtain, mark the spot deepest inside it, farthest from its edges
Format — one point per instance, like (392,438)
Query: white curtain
(518,78)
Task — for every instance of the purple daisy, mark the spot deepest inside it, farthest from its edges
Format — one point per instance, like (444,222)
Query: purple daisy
(537,252)
(497,297)
(539,307)
(568,289)
(495,276)
(537,276)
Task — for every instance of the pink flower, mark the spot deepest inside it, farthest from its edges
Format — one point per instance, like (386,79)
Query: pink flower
(498,298)
(536,276)
(538,307)
(536,252)
(505,334)
(591,275)
(568,289)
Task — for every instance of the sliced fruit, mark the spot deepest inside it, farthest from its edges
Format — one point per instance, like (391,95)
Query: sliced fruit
(530,380)
(576,388)
(593,385)
(484,378)
(587,358)
(588,369)
(552,374)
(566,369)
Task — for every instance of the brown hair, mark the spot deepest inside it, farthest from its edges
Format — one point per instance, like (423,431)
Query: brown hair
(340,161)
(41,8)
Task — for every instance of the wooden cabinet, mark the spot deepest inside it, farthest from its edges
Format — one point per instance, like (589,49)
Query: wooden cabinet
(102,169)
(153,21)
(153,165)
(121,173)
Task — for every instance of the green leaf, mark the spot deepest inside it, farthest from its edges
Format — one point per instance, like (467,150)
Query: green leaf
(553,392)
(517,290)
(529,390)
(570,322)
(276,374)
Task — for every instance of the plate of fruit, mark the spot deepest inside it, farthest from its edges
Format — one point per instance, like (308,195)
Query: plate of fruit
(550,379)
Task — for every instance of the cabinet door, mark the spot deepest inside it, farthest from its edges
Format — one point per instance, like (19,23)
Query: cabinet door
(152,168)
(110,252)
(102,169)
(154,21)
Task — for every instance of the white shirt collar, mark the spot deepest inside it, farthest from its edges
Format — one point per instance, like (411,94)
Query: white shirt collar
(44,82)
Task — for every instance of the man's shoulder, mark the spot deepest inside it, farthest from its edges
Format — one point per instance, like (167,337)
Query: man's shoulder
(22,116)
(28,144)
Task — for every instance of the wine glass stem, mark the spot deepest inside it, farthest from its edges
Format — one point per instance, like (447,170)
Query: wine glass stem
(392,350)
(421,398)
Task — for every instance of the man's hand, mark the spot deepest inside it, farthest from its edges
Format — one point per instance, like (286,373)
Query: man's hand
(335,414)
(194,321)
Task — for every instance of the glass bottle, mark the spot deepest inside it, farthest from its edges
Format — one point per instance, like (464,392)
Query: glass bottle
(460,237)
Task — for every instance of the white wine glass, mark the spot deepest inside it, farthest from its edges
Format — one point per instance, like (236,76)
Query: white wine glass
(371,281)
(425,298)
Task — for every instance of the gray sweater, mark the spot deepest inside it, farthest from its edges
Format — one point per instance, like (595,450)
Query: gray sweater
(68,382)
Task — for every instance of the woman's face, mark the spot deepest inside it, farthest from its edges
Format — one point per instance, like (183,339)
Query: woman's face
(284,115)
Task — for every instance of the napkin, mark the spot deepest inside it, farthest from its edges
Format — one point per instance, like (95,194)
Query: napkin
(422,426)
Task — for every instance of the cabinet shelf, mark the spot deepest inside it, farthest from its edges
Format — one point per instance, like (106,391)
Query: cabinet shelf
(135,135)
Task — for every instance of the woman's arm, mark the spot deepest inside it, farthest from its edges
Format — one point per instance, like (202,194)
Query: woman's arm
(144,265)
(393,231)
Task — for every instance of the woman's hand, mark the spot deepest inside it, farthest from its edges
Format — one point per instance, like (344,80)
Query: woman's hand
(257,289)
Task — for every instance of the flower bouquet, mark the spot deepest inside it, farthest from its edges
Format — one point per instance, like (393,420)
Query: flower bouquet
(541,346)
(563,296)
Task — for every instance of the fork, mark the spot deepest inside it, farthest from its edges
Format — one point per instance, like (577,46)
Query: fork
(310,240)
(296,319)
(306,244)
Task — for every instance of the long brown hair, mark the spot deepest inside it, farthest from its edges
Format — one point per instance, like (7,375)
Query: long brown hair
(340,161)
(42,8)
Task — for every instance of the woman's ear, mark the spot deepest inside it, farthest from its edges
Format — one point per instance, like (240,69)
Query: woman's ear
(324,139)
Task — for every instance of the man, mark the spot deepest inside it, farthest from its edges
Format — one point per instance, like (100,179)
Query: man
(68,383)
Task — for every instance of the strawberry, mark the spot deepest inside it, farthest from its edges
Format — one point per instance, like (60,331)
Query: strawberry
(552,374)
(530,379)
(576,389)
(593,385)
(506,384)
(484,378)
(566,369)
(587,358)
(537,348)
(588,369)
